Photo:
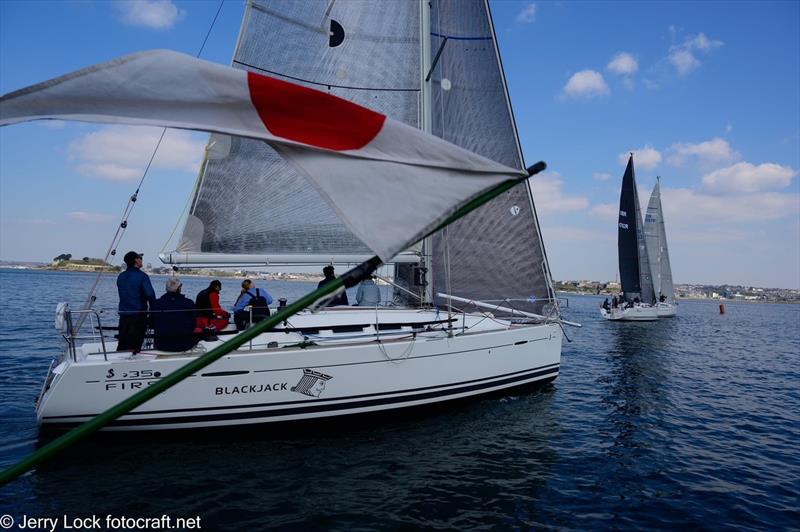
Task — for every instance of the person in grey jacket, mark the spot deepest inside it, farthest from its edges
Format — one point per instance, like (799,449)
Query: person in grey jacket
(368,294)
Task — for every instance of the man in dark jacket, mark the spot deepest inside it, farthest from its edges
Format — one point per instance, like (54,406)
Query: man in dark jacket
(174,319)
(135,292)
(329,274)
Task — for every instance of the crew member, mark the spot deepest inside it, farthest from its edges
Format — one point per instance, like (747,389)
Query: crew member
(173,319)
(329,274)
(135,293)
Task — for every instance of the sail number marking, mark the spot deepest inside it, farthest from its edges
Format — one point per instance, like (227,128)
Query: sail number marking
(134,374)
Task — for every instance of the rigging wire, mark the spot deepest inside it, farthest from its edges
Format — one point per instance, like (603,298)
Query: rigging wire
(120,232)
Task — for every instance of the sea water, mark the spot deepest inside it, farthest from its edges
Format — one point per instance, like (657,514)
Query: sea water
(689,422)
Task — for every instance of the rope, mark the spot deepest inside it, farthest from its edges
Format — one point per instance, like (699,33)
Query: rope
(404,356)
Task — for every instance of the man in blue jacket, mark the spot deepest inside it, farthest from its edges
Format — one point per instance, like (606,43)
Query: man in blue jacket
(135,293)
(173,319)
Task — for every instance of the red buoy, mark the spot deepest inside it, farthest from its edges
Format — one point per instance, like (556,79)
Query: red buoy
(721,308)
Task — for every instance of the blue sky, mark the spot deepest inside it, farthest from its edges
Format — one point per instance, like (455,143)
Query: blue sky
(707,94)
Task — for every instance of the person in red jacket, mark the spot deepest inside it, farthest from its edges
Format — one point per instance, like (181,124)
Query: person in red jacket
(209,313)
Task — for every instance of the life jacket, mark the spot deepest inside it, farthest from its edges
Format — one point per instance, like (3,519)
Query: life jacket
(203,304)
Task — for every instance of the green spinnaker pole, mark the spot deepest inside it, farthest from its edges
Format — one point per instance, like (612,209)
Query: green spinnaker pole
(348,279)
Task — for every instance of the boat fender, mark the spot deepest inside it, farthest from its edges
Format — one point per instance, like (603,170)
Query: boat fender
(60,321)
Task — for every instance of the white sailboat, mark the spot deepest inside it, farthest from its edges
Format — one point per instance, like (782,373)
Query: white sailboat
(656,237)
(418,65)
(638,298)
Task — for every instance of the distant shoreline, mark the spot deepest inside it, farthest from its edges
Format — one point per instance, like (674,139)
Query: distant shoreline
(709,299)
(306,277)
(295,277)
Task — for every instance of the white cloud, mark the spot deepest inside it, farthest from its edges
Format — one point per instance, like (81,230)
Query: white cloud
(605,211)
(601,176)
(586,84)
(712,151)
(528,14)
(684,61)
(120,153)
(647,157)
(577,234)
(682,56)
(110,171)
(746,178)
(701,42)
(90,217)
(550,198)
(712,236)
(155,14)
(688,207)
(623,63)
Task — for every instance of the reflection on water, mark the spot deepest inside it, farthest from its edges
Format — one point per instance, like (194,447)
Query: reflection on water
(427,470)
(635,392)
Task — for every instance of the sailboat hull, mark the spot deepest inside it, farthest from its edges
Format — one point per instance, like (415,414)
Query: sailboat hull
(667,310)
(636,313)
(343,376)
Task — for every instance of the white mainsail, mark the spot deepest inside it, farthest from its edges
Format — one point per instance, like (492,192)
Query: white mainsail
(656,236)
(440,72)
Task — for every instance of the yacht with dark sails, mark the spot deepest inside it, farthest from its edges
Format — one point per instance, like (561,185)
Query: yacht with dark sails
(638,297)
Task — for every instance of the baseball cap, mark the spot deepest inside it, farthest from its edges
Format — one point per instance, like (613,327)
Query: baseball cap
(131,256)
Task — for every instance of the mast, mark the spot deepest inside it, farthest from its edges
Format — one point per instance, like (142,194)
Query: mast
(425,123)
